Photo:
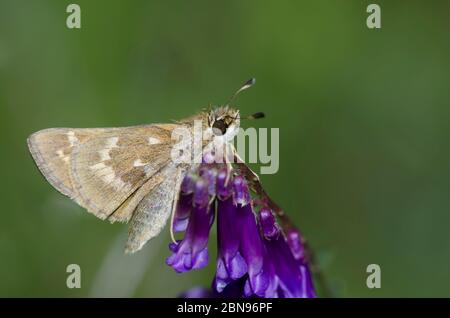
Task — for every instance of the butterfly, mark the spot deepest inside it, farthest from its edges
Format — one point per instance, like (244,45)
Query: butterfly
(127,174)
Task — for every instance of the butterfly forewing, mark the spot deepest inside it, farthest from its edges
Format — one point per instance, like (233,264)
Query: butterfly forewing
(102,168)
(52,151)
(118,174)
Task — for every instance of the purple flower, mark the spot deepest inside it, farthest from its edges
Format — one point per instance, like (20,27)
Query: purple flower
(241,194)
(269,226)
(223,185)
(210,175)
(295,242)
(188,184)
(230,263)
(286,269)
(255,258)
(183,213)
(261,281)
(192,251)
(296,245)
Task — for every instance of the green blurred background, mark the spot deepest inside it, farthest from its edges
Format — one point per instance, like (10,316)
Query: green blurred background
(363,117)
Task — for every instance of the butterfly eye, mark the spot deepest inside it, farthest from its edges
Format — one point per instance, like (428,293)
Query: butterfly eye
(219,127)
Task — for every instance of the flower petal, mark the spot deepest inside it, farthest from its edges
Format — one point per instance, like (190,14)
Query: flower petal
(295,243)
(192,251)
(230,263)
(241,194)
(223,184)
(269,226)
(209,174)
(201,196)
(182,213)
(188,183)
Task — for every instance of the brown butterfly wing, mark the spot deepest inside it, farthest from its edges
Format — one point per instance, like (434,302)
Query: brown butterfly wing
(103,169)
(52,150)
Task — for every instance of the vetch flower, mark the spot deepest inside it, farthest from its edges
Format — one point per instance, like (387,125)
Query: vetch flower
(295,242)
(291,281)
(192,251)
(241,194)
(255,256)
(183,212)
(230,263)
(269,226)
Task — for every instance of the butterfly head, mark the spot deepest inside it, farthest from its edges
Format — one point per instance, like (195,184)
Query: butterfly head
(224,121)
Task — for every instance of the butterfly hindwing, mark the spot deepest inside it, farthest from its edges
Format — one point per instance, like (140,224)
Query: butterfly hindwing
(155,208)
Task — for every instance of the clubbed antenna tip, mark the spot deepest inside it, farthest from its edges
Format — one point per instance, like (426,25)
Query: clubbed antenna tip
(257,115)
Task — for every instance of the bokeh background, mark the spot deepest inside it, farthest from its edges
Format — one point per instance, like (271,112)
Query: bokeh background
(363,117)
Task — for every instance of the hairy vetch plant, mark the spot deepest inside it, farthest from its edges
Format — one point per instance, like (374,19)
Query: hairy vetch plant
(256,256)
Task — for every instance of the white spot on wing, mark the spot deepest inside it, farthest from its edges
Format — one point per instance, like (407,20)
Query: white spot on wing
(106,173)
(72,139)
(110,143)
(138,163)
(104,154)
(98,166)
(108,176)
(153,141)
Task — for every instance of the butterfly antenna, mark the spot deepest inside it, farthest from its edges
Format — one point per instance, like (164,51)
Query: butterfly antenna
(257,115)
(247,84)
